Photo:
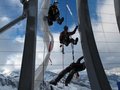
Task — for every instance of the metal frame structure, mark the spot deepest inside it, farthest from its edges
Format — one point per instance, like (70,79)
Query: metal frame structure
(117,12)
(26,81)
(96,74)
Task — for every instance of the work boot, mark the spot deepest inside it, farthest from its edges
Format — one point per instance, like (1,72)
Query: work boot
(53,82)
(75,41)
(50,22)
(66,84)
(60,20)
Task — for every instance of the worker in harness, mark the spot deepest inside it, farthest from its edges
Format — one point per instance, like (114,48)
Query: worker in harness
(71,69)
(54,14)
(64,37)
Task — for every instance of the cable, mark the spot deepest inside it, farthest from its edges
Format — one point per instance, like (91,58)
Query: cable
(43,61)
(63,56)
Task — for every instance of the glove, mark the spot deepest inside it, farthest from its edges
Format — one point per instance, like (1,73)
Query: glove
(76,27)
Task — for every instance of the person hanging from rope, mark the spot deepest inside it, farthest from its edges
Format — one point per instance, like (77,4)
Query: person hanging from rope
(54,14)
(65,36)
(72,69)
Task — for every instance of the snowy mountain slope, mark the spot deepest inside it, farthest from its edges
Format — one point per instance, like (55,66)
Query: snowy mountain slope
(10,82)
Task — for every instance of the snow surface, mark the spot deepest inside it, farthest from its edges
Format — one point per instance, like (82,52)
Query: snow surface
(82,83)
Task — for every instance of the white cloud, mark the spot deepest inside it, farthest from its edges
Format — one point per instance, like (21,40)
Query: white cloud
(12,54)
(13,63)
(4,20)
(15,3)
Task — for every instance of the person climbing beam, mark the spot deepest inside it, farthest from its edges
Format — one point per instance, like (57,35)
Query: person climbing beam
(72,69)
(54,14)
(64,37)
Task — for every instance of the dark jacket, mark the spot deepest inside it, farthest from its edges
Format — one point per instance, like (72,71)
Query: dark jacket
(65,36)
(53,12)
(72,69)
(78,66)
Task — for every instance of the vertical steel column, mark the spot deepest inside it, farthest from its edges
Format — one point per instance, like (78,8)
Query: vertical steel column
(26,81)
(117,12)
(96,74)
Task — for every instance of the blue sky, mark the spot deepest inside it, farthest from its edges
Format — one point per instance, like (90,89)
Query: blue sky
(7,9)
(100,12)
(65,13)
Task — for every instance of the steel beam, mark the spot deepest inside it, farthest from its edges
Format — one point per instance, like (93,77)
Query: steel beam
(26,81)
(95,70)
(12,23)
(117,12)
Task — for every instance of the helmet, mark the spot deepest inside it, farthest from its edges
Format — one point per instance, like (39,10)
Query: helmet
(65,27)
(55,3)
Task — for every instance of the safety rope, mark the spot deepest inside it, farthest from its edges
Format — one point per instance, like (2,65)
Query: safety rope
(73,52)
(63,55)
(68,8)
(63,44)
(49,50)
(62,50)
(43,61)
(63,66)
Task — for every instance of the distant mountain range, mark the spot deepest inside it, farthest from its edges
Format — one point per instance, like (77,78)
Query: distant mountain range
(10,82)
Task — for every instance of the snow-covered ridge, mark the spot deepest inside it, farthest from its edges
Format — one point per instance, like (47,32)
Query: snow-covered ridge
(10,82)
(115,71)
